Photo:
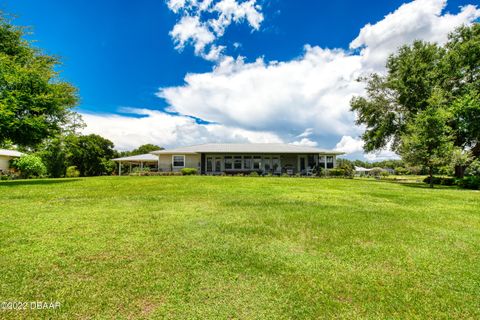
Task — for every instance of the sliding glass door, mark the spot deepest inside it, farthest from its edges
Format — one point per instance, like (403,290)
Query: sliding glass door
(214,164)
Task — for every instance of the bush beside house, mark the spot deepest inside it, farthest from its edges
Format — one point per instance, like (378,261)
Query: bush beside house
(29,166)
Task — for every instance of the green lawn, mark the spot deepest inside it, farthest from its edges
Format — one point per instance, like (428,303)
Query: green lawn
(243,248)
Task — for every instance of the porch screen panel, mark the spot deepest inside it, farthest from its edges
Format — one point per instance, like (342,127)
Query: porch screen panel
(247,162)
(268,164)
(228,163)
(237,162)
(276,164)
(257,162)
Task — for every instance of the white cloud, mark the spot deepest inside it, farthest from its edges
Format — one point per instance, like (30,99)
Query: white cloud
(310,92)
(304,100)
(381,155)
(349,144)
(191,30)
(198,28)
(176,5)
(167,130)
(232,11)
(417,20)
(305,142)
(314,90)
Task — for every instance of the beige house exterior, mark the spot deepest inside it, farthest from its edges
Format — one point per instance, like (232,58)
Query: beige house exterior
(264,158)
(6,156)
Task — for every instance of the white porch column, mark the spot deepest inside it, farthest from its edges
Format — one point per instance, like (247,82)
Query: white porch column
(325,162)
(119,168)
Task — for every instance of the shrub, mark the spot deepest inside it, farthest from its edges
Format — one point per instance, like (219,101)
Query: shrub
(473,169)
(441,181)
(30,166)
(336,172)
(254,174)
(72,172)
(318,171)
(415,170)
(470,182)
(385,173)
(138,169)
(376,172)
(188,171)
(400,171)
(109,166)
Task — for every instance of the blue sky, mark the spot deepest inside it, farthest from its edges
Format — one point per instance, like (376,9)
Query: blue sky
(121,54)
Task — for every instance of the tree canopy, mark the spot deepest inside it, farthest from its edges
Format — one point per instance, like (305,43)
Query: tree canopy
(34,101)
(417,75)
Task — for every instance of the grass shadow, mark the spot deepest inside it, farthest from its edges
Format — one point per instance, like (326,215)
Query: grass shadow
(26,182)
(419,185)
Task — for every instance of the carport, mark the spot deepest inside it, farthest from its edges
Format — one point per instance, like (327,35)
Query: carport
(137,160)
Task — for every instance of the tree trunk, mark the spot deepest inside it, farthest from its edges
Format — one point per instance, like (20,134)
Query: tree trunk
(459,171)
(430,172)
(476,150)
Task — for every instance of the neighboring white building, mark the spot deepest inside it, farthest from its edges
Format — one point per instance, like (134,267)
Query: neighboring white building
(139,160)
(6,156)
(361,171)
(274,158)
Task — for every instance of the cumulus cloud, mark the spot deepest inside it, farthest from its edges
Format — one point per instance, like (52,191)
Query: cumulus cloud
(167,130)
(190,29)
(417,20)
(349,144)
(275,101)
(198,28)
(312,91)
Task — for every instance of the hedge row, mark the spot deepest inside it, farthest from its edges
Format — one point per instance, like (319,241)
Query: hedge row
(470,182)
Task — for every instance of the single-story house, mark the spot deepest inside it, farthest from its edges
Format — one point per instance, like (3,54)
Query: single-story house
(139,160)
(264,158)
(6,156)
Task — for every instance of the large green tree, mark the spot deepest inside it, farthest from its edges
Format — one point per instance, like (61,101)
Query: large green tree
(34,101)
(91,154)
(393,101)
(427,140)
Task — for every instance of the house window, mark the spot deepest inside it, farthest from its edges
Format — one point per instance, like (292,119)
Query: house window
(257,162)
(321,161)
(228,163)
(247,162)
(178,161)
(329,162)
(237,162)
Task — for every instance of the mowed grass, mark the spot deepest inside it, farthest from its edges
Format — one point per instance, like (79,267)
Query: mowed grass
(239,248)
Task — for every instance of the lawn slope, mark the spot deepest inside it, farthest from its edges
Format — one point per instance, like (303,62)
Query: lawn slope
(233,247)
